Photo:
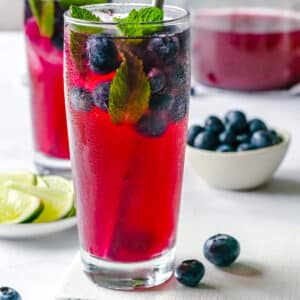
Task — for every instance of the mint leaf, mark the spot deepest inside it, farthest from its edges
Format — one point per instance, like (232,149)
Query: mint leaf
(133,26)
(44,14)
(130,91)
(83,14)
(67,3)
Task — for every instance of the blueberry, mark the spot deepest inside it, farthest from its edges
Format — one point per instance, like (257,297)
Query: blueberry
(276,139)
(165,48)
(214,124)
(193,132)
(237,121)
(102,54)
(152,125)
(157,80)
(190,272)
(160,102)
(256,125)
(81,99)
(221,250)
(227,137)
(101,95)
(207,140)
(7,293)
(176,75)
(225,148)
(243,138)
(180,107)
(245,147)
(262,139)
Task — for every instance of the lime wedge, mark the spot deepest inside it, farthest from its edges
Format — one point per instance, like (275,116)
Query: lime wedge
(59,183)
(41,182)
(57,203)
(18,176)
(65,185)
(17,207)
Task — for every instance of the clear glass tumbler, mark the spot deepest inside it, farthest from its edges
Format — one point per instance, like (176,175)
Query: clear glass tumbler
(127,105)
(246,46)
(44,28)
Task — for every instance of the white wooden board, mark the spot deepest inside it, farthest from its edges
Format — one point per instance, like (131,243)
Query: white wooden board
(268,267)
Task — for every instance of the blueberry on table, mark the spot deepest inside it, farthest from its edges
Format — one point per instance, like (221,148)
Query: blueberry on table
(165,48)
(227,137)
(225,148)
(193,132)
(81,99)
(262,139)
(160,102)
(7,293)
(157,80)
(221,250)
(190,272)
(152,125)
(245,147)
(243,138)
(237,121)
(214,124)
(102,54)
(256,125)
(101,95)
(207,140)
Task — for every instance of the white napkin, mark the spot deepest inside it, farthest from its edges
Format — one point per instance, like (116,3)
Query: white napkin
(268,268)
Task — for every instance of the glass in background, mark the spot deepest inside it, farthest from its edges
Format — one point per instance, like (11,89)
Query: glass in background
(44,28)
(246,46)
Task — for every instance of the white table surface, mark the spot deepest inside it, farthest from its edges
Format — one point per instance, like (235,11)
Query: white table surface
(36,267)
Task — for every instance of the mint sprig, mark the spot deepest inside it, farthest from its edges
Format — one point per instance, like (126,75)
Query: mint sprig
(83,14)
(136,24)
(130,91)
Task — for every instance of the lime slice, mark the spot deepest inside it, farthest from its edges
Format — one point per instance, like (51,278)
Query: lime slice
(41,182)
(65,185)
(59,183)
(57,203)
(17,207)
(18,176)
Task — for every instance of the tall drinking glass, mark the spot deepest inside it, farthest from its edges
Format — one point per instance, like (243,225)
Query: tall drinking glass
(44,28)
(127,105)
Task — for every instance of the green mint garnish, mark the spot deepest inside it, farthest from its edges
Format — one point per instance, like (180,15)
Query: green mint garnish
(83,14)
(130,91)
(44,13)
(132,26)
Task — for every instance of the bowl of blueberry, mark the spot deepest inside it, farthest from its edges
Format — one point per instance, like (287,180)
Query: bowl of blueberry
(236,153)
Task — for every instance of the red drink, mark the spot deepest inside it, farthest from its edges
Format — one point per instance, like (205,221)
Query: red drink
(127,146)
(246,50)
(45,60)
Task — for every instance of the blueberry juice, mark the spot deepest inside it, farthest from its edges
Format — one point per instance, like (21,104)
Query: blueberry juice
(127,95)
(246,49)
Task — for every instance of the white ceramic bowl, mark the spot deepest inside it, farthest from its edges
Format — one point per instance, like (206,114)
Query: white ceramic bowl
(239,170)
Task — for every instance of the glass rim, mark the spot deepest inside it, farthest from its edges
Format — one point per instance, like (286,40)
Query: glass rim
(69,19)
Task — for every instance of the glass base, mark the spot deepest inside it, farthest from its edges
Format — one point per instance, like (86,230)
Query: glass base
(129,276)
(46,165)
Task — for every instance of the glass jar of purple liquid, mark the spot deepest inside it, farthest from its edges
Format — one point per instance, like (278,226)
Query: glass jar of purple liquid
(246,46)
